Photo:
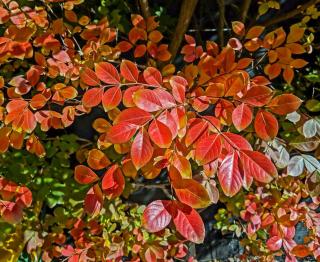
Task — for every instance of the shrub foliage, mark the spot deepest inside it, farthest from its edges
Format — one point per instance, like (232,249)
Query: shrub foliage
(214,129)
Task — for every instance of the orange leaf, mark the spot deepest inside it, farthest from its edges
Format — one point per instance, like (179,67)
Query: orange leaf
(208,149)
(255,32)
(288,74)
(97,159)
(296,33)
(129,71)
(300,251)
(113,182)
(296,48)
(243,63)
(107,73)
(84,175)
(298,63)
(141,150)
(92,97)
(182,165)
(89,77)
(242,116)
(266,125)
(101,125)
(257,95)
(272,71)
(111,98)
(160,134)
(284,104)
(238,28)
(93,201)
(191,193)
(38,101)
(140,50)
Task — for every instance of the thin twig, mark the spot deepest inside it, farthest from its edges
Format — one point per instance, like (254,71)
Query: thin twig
(74,39)
(280,18)
(145,9)
(221,21)
(186,12)
(244,10)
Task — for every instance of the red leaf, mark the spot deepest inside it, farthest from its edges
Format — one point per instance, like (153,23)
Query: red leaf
(165,98)
(93,201)
(160,134)
(208,149)
(4,15)
(266,125)
(195,132)
(178,85)
(84,175)
(113,182)
(274,243)
(135,116)
(128,95)
(182,165)
(140,50)
(284,104)
(234,141)
(141,150)
(24,196)
(121,132)
(89,77)
(191,193)
(258,166)
(242,116)
(92,97)
(257,95)
(111,98)
(167,119)
(235,43)
(156,216)
(107,73)
(189,223)
(11,212)
(229,175)
(147,100)
(152,76)
(124,46)
(129,71)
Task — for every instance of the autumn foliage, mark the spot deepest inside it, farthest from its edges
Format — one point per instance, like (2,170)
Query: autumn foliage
(206,127)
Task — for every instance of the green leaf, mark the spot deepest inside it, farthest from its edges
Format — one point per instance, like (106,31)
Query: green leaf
(313,105)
